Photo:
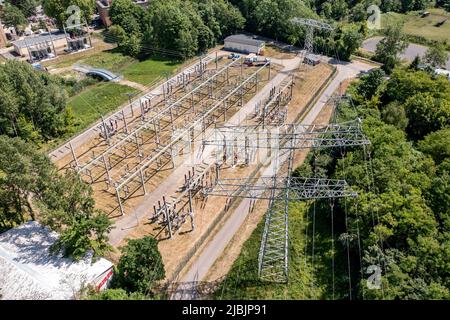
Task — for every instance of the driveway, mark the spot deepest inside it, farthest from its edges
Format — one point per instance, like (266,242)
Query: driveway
(410,53)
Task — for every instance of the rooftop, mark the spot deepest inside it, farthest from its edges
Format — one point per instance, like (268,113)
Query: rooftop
(31,41)
(28,271)
(244,39)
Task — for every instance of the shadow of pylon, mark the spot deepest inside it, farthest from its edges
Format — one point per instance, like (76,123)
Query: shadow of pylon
(191,290)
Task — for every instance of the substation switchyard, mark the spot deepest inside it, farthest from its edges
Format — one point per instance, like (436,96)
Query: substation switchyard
(174,162)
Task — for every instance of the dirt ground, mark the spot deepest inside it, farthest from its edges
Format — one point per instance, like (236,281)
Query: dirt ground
(222,266)
(274,52)
(306,83)
(173,250)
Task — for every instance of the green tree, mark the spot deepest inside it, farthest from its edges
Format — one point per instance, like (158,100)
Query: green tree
(68,207)
(128,15)
(443,4)
(394,113)
(31,188)
(369,83)
(132,45)
(32,103)
(27,175)
(437,145)
(57,9)
(139,266)
(174,29)
(426,114)
(116,294)
(13,17)
(117,34)
(390,47)
(414,65)
(28,7)
(436,56)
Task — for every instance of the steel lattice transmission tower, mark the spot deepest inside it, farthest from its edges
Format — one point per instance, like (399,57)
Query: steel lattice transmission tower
(281,188)
(310,25)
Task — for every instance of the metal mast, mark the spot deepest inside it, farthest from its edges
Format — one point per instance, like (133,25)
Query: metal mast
(310,25)
(281,188)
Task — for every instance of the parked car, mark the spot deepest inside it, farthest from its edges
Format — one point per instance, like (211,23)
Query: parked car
(234,56)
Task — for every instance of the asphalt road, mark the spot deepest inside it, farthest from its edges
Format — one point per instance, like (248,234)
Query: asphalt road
(410,53)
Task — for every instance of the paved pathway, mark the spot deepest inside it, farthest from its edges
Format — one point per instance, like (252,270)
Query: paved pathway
(410,53)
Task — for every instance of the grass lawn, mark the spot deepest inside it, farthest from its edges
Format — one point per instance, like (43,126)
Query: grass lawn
(97,100)
(306,281)
(425,27)
(144,72)
(148,71)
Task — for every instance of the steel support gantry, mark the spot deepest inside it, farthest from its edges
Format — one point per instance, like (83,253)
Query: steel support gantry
(281,188)
(310,25)
(191,131)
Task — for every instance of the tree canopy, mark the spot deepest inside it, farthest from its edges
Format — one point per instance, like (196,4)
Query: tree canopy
(409,193)
(12,16)
(31,188)
(32,103)
(436,56)
(57,9)
(140,266)
(390,47)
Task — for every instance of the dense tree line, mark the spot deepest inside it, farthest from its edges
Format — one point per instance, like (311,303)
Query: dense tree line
(402,212)
(186,28)
(32,103)
(58,9)
(31,188)
(183,27)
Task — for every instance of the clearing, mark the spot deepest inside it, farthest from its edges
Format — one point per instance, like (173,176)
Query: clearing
(426,27)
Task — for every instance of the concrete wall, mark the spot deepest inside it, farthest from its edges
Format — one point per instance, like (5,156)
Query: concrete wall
(245,48)
(3,40)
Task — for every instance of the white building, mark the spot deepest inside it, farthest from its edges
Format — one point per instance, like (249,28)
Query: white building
(29,272)
(243,43)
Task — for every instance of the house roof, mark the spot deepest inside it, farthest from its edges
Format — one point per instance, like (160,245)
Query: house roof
(244,39)
(31,41)
(29,271)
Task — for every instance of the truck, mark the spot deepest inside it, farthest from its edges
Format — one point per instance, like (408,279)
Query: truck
(254,60)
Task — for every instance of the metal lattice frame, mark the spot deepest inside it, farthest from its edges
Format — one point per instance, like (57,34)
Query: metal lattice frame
(273,254)
(152,120)
(191,131)
(310,25)
(172,214)
(302,188)
(205,176)
(244,140)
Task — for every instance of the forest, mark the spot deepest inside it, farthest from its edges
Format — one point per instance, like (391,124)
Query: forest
(400,221)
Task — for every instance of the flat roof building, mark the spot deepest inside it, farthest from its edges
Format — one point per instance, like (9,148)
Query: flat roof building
(29,272)
(243,43)
(40,47)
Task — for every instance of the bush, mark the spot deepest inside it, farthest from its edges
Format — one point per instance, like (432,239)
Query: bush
(139,266)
